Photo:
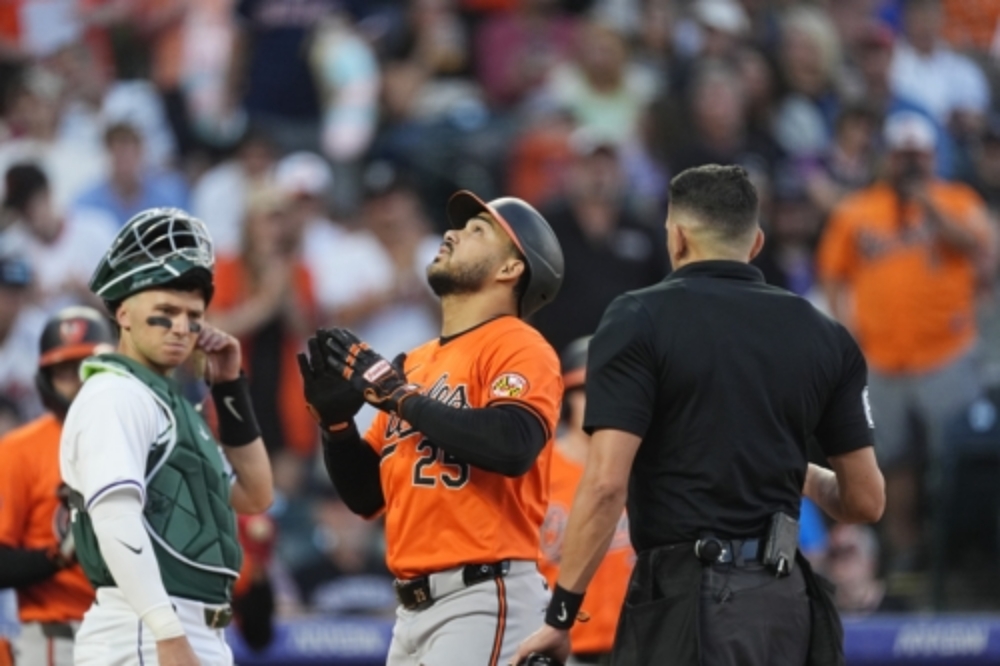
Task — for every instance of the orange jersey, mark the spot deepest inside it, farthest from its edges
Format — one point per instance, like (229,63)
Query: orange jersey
(441,513)
(914,295)
(33,517)
(606,592)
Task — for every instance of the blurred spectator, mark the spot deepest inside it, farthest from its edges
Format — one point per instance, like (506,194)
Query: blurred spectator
(21,325)
(607,250)
(539,157)
(849,164)
(874,56)
(10,417)
(810,58)
(602,87)
(925,69)
(132,186)
(63,250)
(787,258)
(348,267)
(516,51)
(986,165)
(270,69)
(220,195)
(264,296)
(401,309)
(253,595)
(715,30)
(717,131)
(351,578)
(34,114)
(852,565)
(972,24)
(899,263)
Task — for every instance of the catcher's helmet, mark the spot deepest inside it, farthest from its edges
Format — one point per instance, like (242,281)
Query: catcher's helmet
(72,334)
(154,248)
(532,236)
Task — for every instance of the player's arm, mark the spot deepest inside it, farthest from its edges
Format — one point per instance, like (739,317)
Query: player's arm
(252,490)
(505,439)
(351,462)
(854,491)
(19,567)
(969,235)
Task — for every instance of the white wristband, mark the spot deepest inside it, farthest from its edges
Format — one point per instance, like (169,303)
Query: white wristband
(163,623)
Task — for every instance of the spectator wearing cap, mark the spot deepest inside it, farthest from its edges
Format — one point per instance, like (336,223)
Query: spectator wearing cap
(608,251)
(21,326)
(346,265)
(852,565)
(949,85)
(132,186)
(63,250)
(899,262)
(264,296)
(220,195)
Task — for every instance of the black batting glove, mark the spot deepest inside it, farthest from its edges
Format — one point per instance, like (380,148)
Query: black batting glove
(383,384)
(330,398)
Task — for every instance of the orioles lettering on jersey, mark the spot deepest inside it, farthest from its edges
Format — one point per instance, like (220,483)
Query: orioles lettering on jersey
(441,512)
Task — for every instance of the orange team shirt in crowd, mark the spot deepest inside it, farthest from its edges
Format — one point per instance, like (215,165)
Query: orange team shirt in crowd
(971,24)
(231,282)
(33,517)
(606,592)
(441,513)
(914,295)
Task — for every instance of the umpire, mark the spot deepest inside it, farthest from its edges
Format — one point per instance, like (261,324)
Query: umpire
(702,392)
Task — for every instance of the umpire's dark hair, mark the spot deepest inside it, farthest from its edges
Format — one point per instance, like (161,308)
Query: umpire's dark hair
(22,182)
(721,197)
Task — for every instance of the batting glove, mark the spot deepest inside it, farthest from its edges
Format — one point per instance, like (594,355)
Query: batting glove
(330,398)
(383,384)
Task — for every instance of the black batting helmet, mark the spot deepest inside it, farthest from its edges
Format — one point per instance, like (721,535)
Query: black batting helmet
(72,334)
(530,233)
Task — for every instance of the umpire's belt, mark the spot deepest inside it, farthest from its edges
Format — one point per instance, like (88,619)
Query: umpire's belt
(421,593)
(725,551)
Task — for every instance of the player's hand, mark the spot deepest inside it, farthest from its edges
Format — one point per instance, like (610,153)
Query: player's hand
(64,553)
(383,384)
(222,354)
(547,641)
(176,652)
(331,399)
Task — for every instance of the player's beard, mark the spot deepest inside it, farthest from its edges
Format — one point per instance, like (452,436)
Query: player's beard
(451,281)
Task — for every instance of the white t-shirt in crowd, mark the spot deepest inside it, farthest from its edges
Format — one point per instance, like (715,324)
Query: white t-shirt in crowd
(72,257)
(347,266)
(942,82)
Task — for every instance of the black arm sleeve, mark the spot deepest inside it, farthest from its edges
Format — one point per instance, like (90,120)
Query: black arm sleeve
(20,567)
(505,439)
(353,467)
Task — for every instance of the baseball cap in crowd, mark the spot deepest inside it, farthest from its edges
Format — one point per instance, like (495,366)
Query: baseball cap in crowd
(304,173)
(14,272)
(909,130)
(726,16)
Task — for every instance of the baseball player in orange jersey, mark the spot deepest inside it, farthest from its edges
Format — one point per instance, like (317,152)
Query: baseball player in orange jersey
(36,550)
(591,640)
(458,459)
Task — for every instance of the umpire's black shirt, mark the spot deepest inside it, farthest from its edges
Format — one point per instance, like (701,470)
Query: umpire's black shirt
(724,378)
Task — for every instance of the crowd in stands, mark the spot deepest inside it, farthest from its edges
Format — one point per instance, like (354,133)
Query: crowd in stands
(320,139)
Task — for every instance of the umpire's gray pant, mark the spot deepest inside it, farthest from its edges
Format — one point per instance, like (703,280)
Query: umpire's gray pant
(480,625)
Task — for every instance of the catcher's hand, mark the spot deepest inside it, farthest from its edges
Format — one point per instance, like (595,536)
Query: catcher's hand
(331,399)
(383,384)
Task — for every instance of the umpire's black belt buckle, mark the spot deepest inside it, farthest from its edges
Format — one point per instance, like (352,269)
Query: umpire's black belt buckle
(739,552)
(415,593)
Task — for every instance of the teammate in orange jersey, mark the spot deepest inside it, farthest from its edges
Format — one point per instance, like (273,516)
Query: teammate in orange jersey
(36,548)
(458,458)
(591,640)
